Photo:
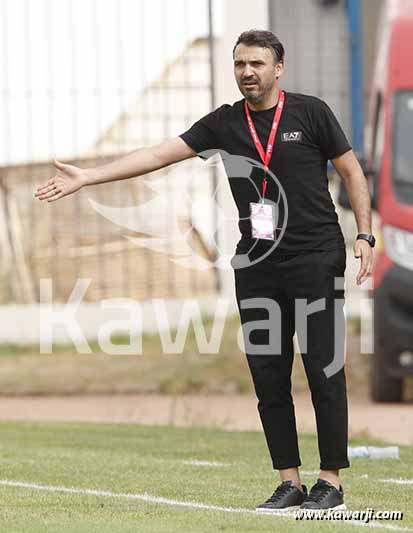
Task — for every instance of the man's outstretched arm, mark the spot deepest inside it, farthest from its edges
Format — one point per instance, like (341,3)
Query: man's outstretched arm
(70,178)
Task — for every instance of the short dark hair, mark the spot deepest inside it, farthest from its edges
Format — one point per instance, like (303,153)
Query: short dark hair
(263,38)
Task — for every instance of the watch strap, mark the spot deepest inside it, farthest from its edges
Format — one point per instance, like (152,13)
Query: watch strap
(367,237)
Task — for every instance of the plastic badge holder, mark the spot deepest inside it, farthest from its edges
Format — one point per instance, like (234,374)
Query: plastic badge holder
(264,219)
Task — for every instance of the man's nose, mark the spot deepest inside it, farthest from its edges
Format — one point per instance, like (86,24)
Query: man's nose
(248,71)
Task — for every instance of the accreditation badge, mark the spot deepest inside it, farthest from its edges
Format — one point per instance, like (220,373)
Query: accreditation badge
(263,223)
(264,215)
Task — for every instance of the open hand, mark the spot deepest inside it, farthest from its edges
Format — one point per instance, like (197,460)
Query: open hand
(68,180)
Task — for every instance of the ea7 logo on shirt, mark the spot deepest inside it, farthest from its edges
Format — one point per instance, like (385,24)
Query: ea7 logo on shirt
(292,136)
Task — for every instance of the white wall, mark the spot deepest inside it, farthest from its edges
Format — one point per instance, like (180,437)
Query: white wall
(239,15)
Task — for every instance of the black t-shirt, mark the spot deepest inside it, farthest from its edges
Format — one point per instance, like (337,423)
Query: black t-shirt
(308,136)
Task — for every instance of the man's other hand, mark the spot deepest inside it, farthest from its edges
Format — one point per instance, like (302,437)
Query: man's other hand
(364,251)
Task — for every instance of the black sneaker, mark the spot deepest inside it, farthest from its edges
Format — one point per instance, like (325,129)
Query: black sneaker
(324,495)
(286,497)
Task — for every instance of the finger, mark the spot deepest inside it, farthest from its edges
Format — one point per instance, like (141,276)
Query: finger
(56,197)
(43,196)
(357,255)
(370,268)
(59,165)
(362,278)
(363,269)
(363,272)
(47,185)
(41,188)
(49,194)
(48,189)
(52,194)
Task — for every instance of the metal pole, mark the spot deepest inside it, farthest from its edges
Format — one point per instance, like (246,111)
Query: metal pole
(212,96)
(271,15)
(356,50)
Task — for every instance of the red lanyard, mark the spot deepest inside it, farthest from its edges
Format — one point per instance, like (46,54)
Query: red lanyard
(266,158)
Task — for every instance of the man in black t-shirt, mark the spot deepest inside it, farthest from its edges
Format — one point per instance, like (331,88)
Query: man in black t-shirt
(301,252)
(291,250)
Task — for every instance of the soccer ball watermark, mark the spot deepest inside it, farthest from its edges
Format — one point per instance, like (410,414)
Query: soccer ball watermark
(189,196)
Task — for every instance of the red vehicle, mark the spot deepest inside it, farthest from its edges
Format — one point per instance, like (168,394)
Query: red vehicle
(389,158)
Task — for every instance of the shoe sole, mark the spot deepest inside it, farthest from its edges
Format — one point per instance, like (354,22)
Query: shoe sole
(341,507)
(276,511)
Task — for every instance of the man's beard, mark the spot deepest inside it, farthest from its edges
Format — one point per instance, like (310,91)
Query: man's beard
(259,97)
(254,98)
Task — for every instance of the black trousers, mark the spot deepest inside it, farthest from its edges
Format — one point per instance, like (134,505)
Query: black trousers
(305,279)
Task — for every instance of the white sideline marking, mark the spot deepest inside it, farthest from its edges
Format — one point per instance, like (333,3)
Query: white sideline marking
(167,501)
(400,481)
(195,462)
(144,497)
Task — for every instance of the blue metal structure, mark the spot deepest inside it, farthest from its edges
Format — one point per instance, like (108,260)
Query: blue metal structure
(356,54)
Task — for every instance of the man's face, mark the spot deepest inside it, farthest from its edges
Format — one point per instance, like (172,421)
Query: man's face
(256,71)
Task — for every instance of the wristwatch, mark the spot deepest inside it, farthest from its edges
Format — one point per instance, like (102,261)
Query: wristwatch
(366,237)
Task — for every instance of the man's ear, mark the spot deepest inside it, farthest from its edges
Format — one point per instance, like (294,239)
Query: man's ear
(279,68)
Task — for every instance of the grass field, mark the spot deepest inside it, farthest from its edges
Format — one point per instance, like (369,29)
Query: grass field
(129,461)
